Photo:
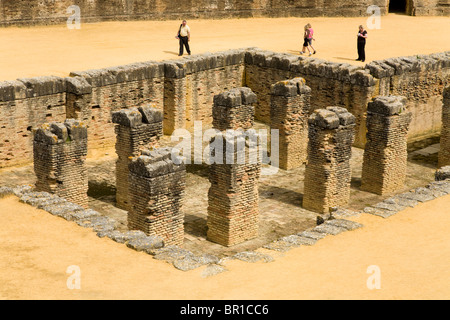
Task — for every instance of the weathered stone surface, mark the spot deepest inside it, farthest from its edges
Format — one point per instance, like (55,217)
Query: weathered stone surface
(212,270)
(346,224)
(156,189)
(60,151)
(147,243)
(290,105)
(253,257)
(385,153)
(329,229)
(328,172)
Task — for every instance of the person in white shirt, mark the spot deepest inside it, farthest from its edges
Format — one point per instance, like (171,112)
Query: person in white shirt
(184,35)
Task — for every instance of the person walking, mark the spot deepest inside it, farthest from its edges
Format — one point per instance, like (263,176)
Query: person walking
(362,36)
(184,36)
(308,37)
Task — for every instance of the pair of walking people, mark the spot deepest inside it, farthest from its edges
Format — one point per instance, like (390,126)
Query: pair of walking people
(308,37)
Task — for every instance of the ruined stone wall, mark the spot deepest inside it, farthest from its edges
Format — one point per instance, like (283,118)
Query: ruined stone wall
(429,7)
(421,79)
(331,83)
(444,152)
(290,107)
(112,89)
(328,172)
(13,12)
(385,153)
(233,197)
(60,151)
(184,88)
(26,104)
(156,190)
(192,82)
(137,129)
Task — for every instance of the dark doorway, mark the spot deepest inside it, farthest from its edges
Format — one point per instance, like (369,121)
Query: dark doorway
(397,6)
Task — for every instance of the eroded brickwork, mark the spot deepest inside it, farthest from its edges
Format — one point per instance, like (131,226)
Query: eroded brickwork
(328,172)
(137,129)
(233,196)
(60,151)
(444,153)
(385,154)
(290,105)
(156,189)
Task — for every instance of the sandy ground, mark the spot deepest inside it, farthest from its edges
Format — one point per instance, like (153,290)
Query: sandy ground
(56,50)
(411,249)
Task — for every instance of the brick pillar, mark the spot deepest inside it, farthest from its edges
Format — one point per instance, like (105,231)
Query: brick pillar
(444,153)
(60,151)
(233,196)
(156,189)
(290,104)
(328,172)
(137,129)
(385,153)
(174,98)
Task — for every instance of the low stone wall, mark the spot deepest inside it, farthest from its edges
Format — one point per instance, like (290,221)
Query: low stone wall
(339,84)
(183,89)
(421,79)
(26,104)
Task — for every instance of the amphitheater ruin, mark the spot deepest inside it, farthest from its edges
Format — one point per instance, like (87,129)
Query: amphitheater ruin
(322,110)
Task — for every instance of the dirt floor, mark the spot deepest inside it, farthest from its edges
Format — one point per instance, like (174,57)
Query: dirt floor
(411,250)
(56,50)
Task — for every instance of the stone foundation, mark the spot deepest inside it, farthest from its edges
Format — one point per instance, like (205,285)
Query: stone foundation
(290,105)
(156,190)
(328,172)
(60,151)
(137,129)
(385,154)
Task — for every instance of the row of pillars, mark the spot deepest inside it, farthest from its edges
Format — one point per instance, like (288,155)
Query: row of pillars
(151,183)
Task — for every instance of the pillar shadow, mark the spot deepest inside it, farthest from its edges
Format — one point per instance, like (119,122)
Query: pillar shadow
(281,194)
(342,58)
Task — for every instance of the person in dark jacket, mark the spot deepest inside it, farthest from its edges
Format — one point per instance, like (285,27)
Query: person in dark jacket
(362,36)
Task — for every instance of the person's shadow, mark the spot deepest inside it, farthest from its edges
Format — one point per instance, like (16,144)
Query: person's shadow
(341,58)
(171,52)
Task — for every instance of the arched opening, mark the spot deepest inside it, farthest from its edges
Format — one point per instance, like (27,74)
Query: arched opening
(397,6)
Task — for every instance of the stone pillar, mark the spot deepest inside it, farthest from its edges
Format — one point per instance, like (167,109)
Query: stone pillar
(290,104)
(157,187)
(233,196)
(137,129)
(444,153)
(60,151)
(385,153)
(174,97)
(328,172)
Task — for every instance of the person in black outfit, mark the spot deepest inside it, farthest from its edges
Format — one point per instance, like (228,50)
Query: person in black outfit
(362,36)
(184,35)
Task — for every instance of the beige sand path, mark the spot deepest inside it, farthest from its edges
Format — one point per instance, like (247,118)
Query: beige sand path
(412,250)
(56,50)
